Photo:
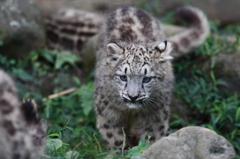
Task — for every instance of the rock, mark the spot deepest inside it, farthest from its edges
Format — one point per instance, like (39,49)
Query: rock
(227,68)
(190,143)
(226,65)
(21,27)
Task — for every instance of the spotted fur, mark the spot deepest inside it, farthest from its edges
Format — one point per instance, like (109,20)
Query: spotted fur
(192,37)
(133,61)
(22,133)
(134,76)
(70,29)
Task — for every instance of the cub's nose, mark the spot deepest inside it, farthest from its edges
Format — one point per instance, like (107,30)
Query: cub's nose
(133,98)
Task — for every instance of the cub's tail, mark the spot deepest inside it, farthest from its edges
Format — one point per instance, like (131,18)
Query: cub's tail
(193,36)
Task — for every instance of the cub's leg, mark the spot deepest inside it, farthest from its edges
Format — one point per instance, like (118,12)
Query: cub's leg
(156,127)
(112,133)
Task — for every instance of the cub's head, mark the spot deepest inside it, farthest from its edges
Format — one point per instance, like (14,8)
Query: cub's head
(138,70)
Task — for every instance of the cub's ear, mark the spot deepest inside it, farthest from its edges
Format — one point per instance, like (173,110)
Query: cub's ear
(164,49)
(114,49)
(114,54)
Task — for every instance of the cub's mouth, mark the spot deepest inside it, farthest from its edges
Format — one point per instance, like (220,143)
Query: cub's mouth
(133,101)
(132,105)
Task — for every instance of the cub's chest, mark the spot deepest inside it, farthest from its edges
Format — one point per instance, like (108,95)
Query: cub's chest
(130,118)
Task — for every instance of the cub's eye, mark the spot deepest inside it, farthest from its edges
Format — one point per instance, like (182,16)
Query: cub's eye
(123,78)
(146,79)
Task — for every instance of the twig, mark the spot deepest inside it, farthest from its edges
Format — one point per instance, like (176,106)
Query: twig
(60,93)
(98,144)
(124,140)
(75,148)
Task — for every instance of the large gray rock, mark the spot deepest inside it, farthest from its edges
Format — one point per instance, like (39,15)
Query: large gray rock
(190,143)
(21,27)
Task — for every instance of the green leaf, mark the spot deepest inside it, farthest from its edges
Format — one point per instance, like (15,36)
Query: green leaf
(69,128)
(142,146)
(230,118)
(26,95)
(220,115)
(213,77)
(48,56)
(86,94)
(65,57)
(72,155)
(23,75)
(213,61)
(33,56)
(76,80)
(87,108)
(233,134)
(53,144)
(237,116)
(53,135)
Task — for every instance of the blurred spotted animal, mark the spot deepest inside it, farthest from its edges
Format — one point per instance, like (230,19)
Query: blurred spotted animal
(21,130)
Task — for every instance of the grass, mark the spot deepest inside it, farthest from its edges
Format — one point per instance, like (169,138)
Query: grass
(72,133)
(204,93)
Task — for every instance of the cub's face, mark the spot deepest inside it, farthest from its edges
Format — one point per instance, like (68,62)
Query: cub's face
(137,71)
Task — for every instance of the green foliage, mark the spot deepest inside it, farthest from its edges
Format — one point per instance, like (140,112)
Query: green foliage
(137,150)
(39,66)
(72,155)
(168,18)
(134,152)
(1,36)
(58,59)
(151,7)
(73,123)
(53,144)
(203,92)
(217,42)
(86,94)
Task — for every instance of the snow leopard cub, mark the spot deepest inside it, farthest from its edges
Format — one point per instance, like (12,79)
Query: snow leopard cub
(134,76)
